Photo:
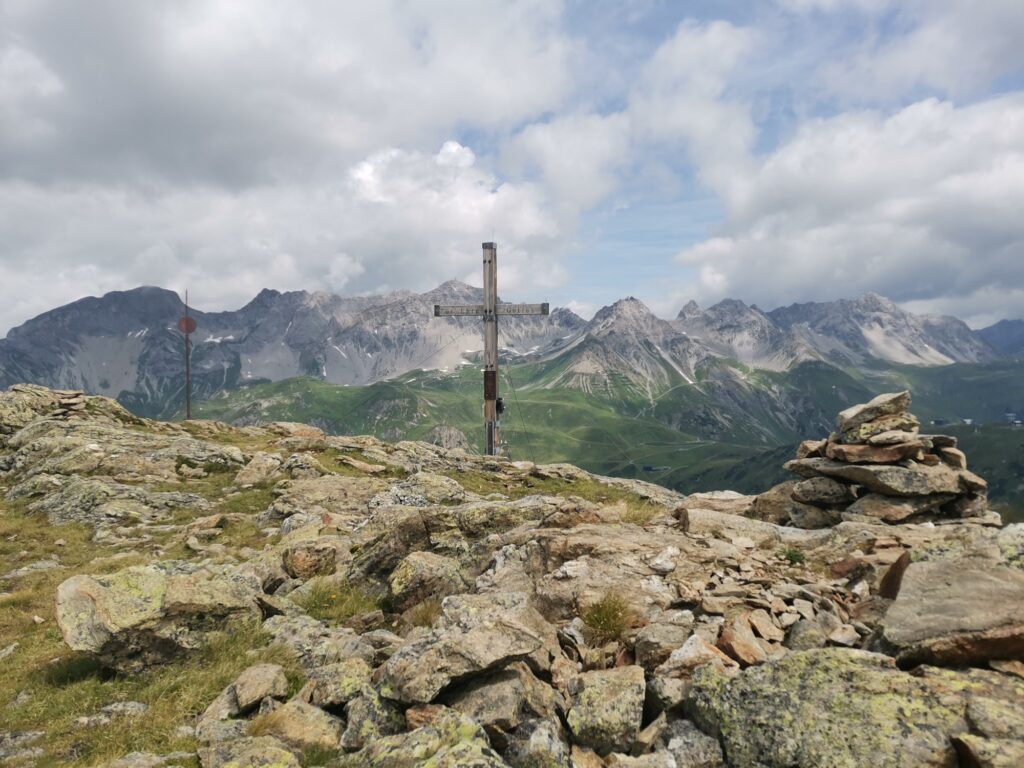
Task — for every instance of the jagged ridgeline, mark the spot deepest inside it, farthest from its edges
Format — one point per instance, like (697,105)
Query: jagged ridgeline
(711,399)
(206,594)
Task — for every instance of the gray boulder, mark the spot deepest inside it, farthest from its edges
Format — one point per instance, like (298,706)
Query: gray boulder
(151,614)
(845,708)
(958,612)
(607,708)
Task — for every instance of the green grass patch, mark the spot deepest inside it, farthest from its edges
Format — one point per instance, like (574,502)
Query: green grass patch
(792,555)
(335,603)
(76,686)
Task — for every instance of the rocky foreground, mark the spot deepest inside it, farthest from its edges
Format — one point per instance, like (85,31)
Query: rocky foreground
(197,594)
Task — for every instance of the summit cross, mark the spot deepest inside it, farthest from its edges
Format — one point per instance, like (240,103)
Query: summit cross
(489,311)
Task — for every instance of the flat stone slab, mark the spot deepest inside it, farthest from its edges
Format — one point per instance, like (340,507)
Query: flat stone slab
(962,612)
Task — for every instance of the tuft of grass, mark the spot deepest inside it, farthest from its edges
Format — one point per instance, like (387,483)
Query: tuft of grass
(335,603)
(250,501)
(608,618)
(640,515)
(425,613)
(792,555)
(268,723)
(318,756)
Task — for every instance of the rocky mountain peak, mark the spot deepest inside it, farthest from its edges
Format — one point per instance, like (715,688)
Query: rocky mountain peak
(875,302)
(627,310)
(690,309)
(455,291)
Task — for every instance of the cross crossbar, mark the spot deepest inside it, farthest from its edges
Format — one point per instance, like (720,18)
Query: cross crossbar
(477,310)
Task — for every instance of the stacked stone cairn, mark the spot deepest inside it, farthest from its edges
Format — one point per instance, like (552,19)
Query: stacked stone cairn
(877,466)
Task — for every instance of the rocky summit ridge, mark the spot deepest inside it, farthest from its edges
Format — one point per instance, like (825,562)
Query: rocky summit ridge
(202,594)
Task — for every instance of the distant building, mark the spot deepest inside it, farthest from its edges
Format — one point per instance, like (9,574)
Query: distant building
(1010,418)
(968,422)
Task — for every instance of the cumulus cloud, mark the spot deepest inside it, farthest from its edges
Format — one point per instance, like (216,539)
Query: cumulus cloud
(397,219)
(578,156)
(922,205)
(215,91)
(232,147)
(683,98)
(950,47)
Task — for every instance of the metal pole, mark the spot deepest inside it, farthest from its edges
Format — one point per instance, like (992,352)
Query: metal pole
(491,428)
(188,368)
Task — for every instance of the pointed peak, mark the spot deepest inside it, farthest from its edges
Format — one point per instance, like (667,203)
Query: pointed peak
(730,305)
(690,309)
(452,290)
(623,310)
(876,301)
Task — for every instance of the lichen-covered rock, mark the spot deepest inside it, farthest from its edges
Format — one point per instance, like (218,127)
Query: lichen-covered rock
(368,717)
(501,702)
(305,560)
(842,708)
(690,747)
(315,644)
(423,575)
(463,612)
(779,505)
(450,740)
(425,666)
(962,612)
(914,480)
(822,491)
(537,744)
(879,410)
(101,503)
(336,684)
(989,753)
(301,725)
(898,509)
(421,490)
(339,495)
(655,642)
(259,682)
(260,469)
(607,708)
(150,614)
(256,752)
(150,760)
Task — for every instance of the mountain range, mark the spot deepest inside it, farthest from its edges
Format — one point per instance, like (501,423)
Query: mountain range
(125,344)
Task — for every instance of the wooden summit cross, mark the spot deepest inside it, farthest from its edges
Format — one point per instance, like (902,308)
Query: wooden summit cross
(489,311)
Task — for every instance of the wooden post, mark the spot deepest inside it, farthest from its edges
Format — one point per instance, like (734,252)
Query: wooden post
(188,366)
(489,311)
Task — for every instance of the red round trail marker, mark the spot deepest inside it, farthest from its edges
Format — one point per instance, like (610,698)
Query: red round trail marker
(187,324)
